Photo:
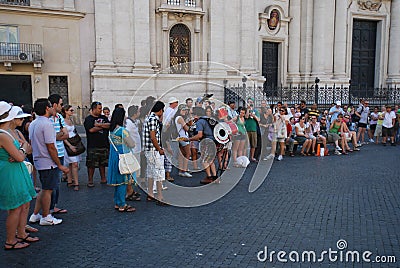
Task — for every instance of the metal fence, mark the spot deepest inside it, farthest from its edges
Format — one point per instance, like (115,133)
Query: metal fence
(15,2)
(20,52)
(324,96)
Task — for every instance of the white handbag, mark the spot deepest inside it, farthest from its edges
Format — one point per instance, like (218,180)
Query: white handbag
(127,163)
(29,167)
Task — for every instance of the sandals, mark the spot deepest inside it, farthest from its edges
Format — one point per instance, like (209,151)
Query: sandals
(126,208)
(303,154)
(60,211)
(30,229)
(133,197)
(90,184)
(28,239)
(12,246)
(70,184)
(150,199)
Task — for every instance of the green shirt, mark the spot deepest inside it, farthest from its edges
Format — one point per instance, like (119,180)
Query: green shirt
(251,123)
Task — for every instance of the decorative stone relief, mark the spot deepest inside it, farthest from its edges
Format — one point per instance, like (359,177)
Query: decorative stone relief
(371,5)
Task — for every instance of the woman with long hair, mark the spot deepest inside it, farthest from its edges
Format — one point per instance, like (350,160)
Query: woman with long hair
(239,140)
(120,143)
(16,187)
(72,161)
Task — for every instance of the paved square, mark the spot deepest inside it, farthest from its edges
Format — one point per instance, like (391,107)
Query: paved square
(305,204)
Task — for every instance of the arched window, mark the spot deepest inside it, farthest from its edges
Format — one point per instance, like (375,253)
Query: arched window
(179,49)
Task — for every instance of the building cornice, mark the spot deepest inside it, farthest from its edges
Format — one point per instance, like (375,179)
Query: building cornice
(33,11)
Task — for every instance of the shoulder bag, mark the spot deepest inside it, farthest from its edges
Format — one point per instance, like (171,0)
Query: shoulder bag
(127,163)
(75,141)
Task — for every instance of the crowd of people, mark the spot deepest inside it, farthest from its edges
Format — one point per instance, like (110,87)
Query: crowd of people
(157,133)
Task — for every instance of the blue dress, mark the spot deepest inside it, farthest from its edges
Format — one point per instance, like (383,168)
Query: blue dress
(114,178)
(16,187)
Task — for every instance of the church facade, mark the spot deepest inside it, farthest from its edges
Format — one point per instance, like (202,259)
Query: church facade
(186,48)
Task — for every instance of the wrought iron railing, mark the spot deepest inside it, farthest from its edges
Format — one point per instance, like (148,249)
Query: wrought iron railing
(16,2)
(324,96)
(20,52)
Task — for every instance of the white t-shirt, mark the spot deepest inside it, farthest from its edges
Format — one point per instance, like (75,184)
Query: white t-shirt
(300,129)
(387,121)
(133,129)
(180,129)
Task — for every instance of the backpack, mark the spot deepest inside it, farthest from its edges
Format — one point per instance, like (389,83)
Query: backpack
(355,118)
(211,122)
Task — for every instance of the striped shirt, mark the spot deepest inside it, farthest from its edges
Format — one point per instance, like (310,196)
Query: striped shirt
(55,120)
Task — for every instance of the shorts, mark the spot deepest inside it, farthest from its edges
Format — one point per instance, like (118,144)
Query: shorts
(378,131)
(252,138)
(97,157)
(49,178)
(372,127)
(347,135)
(280,139)
(167,165)
(332,137)
(155,166)
(363,125)
(311,136)
(183,143)
(300,139)
(240,137)
(387,131)
(208,151)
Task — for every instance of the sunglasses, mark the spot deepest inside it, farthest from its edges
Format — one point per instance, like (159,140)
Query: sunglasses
(282,111)
(322,119)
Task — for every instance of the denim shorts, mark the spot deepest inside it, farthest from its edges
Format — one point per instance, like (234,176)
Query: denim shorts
(49,178)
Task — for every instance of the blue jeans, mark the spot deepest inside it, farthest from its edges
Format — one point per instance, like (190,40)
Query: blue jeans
(56,191)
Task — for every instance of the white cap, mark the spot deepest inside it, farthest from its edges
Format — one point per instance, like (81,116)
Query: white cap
(338,102)
(172,100)
(18,113)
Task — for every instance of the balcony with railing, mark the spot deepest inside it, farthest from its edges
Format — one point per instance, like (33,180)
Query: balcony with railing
(186,3)
(11,53)
(16,2)
(182,6)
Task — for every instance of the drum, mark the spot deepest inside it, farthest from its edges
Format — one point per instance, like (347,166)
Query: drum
(223,130)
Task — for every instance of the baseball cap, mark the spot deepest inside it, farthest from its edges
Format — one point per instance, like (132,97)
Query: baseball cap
(172,100)
(338,103)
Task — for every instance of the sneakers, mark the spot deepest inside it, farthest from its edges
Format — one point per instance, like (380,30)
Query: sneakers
(35,218)
(356,149)
(338,148)
(185,174)
(371,140)
(270,156)
(337,152)
(49,220)
(280,157)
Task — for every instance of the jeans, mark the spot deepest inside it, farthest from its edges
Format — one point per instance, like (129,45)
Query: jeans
(56,191)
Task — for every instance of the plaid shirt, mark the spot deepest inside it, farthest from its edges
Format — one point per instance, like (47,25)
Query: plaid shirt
(152,123)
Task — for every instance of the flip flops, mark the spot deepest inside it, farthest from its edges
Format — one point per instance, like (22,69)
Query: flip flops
(12,246)
(28,239)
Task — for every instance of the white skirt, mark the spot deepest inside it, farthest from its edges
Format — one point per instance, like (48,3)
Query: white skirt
(71,159)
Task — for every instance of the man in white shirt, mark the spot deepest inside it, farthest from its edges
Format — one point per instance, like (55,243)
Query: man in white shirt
(167,120)
(389,118)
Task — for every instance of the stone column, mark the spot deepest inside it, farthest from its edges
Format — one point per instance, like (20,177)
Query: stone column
(104,36)
(394,44)
(306,37)
(142,36)
(123,30)
(294,39)
(322,56)
(340,47)
(216,44)
(165,42)
(248,44)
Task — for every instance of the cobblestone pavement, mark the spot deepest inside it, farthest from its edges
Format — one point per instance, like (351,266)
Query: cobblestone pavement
(305,204)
